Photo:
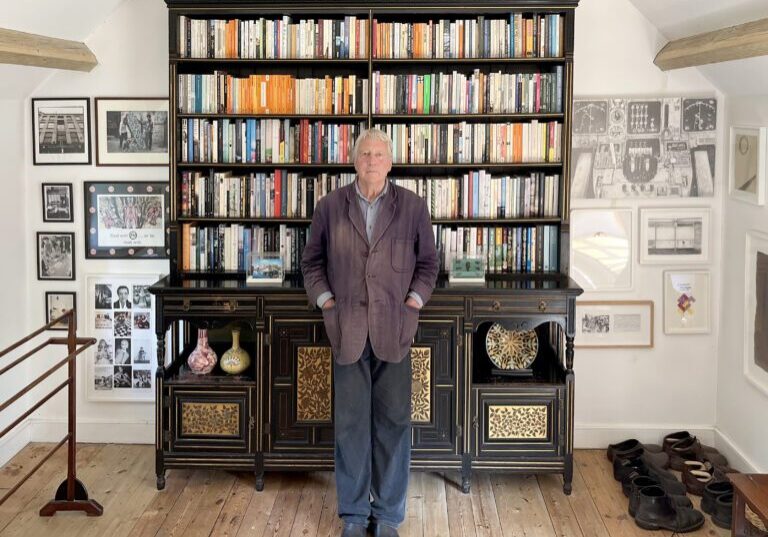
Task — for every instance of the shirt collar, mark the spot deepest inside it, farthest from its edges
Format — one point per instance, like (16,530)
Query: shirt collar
(377,198)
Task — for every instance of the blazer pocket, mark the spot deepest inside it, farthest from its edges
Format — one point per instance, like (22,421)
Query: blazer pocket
(409,325)
(332,328)
(403,255)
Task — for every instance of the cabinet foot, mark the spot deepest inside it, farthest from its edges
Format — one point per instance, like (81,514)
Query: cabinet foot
(465,484)
(260,481)
(567,488)
(161,482)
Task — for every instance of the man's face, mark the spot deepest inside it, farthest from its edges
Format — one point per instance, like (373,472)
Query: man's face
(122,294)
(372,161)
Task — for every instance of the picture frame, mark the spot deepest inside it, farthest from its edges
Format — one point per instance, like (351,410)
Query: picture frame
(266,268)
(121,317)
(614,324)
(61,131)
(56,304)
(126,219)
(748,164)
(756,310)
(601,249)
(55,255)
(674,235)
(57,202)
(132,131)
(687,303)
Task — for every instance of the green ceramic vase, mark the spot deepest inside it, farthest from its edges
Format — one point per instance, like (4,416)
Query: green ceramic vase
(235,360)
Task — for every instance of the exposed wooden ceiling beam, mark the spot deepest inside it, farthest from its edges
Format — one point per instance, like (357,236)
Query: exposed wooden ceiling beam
(21,48)
(734,43)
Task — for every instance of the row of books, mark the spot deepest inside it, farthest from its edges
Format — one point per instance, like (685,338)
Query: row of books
(228,247)
(266,140)
(521,36)
(478,194)
(456,143)
(524,249)
(262,38)
(280,194)
(221,93)
(478,93)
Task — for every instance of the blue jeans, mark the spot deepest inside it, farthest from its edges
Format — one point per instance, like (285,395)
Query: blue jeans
(372,426)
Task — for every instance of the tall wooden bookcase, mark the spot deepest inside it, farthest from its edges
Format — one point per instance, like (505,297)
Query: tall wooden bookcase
(277,415)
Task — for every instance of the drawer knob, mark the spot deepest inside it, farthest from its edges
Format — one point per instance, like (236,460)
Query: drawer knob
(230,305)
(496,306)
(185,305)
(542,305)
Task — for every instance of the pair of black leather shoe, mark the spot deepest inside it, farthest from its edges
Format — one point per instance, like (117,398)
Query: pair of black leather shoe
(624,470)
(717,500)
(655,510)
(640,482)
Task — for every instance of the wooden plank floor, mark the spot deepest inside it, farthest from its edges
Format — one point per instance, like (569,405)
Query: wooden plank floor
(202,502)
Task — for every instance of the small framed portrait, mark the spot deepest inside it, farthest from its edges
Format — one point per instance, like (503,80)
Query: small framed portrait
(55,255)
(613,324)
(686,302)
(57,202)
(131,131)
(57,303)
(126,220)
(675,235)
(61,131)
(748,164)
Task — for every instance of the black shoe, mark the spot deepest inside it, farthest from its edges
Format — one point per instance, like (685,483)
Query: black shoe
(712,491)
(656,510)
(382,530)
(723,514)
(640,482)
(353,530)
(622,468)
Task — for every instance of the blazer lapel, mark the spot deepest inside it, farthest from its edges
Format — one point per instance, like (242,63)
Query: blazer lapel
(385,216)
(355,214)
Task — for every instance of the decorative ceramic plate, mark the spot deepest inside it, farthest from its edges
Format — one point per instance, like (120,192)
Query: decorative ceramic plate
(511,349)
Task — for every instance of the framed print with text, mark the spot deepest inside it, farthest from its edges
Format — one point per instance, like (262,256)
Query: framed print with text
(601,249)
(687,303)
(131,131)
(748,164)
(61,131)
(613,324)
(126,219)
(756,310)
(674,235)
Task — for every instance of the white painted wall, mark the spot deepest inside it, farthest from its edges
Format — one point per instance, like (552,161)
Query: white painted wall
(639,393)
(132,49)
(741,406)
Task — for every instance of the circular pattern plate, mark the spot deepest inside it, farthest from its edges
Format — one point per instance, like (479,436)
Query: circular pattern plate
(511,349)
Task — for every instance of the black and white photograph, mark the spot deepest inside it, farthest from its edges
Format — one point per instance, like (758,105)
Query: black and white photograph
(659,147)
(61,131)
(142,378)
(595,324)
(126,220)
(120,317)
(55,255)
(674,235)
(57,202)
(613,324)
(56,304)
(102,379)
(131,131)
(748,164)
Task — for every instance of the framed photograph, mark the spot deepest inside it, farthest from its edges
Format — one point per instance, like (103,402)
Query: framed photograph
(601,249)
(126,220)
(57,202)
(756,310)
(686,302)
(61,131)
(265,267)
(121,316)
(612,324)
(748,164)
(55,255)
(56,304)
(674,235)
(131,131)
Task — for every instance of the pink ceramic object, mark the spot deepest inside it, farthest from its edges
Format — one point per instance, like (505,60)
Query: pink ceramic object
(202,360)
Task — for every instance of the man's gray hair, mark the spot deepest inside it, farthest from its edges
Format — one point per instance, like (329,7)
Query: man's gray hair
(372,134)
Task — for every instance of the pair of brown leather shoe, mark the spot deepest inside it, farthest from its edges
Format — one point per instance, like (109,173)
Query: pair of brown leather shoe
(682,446)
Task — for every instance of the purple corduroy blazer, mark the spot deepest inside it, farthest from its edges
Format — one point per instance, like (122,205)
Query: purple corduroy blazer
(370,281)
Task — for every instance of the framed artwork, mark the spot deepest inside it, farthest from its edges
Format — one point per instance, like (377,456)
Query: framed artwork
(55,255)
(61,131)
(57,202)
(686,302)
(674,235)
(756,310)
(121,316)
(601,249)
(56,304)
(612,324)
(126,219)
(643,148)
(748,164)
(131,131)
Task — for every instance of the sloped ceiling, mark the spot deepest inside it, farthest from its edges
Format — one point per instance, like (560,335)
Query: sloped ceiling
(65,19)
(676,19)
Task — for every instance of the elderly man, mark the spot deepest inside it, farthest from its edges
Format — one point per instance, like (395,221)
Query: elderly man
(371,264)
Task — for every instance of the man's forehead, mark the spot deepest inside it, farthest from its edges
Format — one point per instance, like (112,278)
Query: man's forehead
(372,144)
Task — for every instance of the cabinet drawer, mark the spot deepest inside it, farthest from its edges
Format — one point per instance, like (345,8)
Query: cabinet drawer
(505,305)
(217,420)
(235,305)
(515,421)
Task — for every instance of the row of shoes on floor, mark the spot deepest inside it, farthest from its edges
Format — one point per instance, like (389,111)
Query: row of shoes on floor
(657,499)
